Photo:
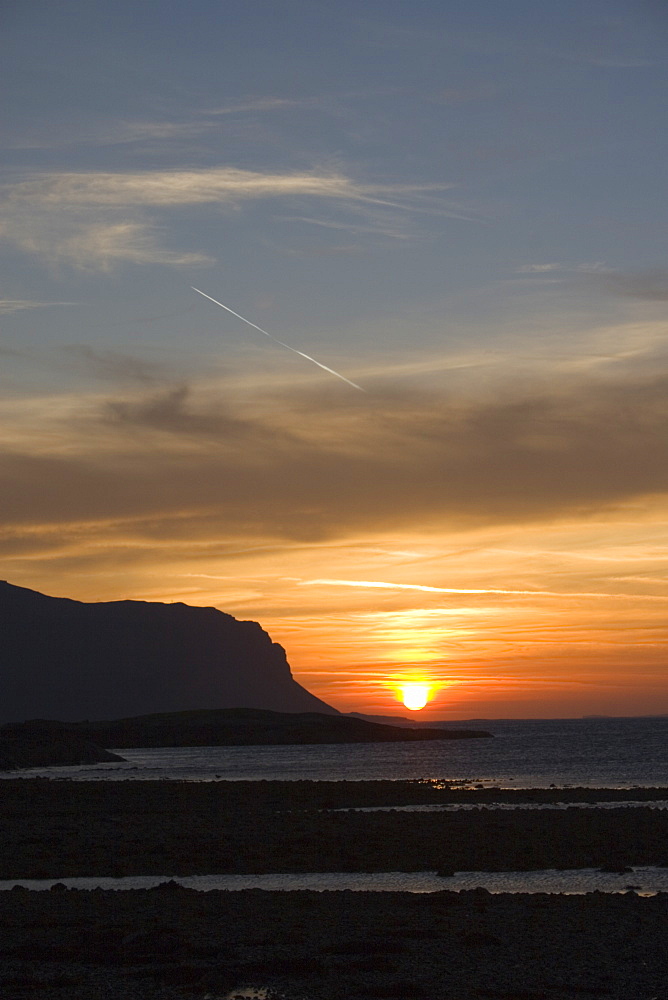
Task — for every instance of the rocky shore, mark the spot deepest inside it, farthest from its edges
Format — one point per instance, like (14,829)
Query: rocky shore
(56,829)
(177,943)
(171,942)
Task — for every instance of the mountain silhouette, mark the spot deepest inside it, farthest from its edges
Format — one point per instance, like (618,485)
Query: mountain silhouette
(68,660)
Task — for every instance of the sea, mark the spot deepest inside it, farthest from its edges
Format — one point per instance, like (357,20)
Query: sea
(594,753)
(525,753)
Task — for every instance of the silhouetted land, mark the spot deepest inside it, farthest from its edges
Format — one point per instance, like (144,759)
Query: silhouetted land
(172,943)
(44,744)
(70,660)
(253,727)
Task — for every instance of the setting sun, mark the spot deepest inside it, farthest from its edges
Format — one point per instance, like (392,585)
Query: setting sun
(415,696)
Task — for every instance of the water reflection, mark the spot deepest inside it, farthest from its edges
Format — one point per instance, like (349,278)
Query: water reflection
(644,880)
(468,806)
(529,753)
(247,993)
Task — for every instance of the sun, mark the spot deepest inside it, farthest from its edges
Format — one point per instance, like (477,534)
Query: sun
(415,696)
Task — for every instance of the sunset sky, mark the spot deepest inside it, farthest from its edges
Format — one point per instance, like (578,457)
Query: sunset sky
(458,205)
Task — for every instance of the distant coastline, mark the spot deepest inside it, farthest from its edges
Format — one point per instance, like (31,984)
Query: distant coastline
(50,743)
(403,720)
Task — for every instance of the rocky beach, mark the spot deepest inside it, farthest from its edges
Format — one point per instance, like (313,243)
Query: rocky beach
(174,942)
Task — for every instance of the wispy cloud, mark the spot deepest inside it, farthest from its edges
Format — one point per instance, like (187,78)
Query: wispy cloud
(389,213)
(382,585)
(82,218)
(539,268)
(381,227)
(18,305)
(262,104)
(112,133)
(200,122)
(89,241)
(649,284)
(197,187)
(591,267)
(329,103)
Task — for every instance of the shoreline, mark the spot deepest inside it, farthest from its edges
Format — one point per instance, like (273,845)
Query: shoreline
(174,943)
(643,880)
(187,828)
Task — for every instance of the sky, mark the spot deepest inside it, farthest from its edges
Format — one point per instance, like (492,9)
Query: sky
(460,207)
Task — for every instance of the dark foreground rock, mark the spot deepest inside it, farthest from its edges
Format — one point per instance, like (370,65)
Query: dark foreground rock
(47,744)
(54,829)
(176,943)
(171,943)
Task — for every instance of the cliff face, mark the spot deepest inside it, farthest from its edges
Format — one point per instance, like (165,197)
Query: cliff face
(67,660)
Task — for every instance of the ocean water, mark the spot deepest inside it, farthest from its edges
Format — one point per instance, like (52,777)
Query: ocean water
(612,753)
(644,880)
(600,752)
(512,806)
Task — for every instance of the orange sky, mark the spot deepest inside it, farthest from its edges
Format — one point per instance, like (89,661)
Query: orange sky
(504,542)
(505,545)
(587,636)
(559,619)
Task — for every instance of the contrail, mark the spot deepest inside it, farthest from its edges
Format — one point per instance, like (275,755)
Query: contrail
(277,341)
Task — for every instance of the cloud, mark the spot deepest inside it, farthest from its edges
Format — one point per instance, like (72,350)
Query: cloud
(649,285)
(95,219)
(327,103)
(103,365)
(539,268)
(381,226)
(112,133)
(592,267)
(18,305)
(174,412)
(383,585)
(194,187)
(103,244)
(263,104)
(112,365)
(320,466)
(87,242)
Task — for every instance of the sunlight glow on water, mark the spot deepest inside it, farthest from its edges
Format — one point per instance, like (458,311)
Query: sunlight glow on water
(469,806)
